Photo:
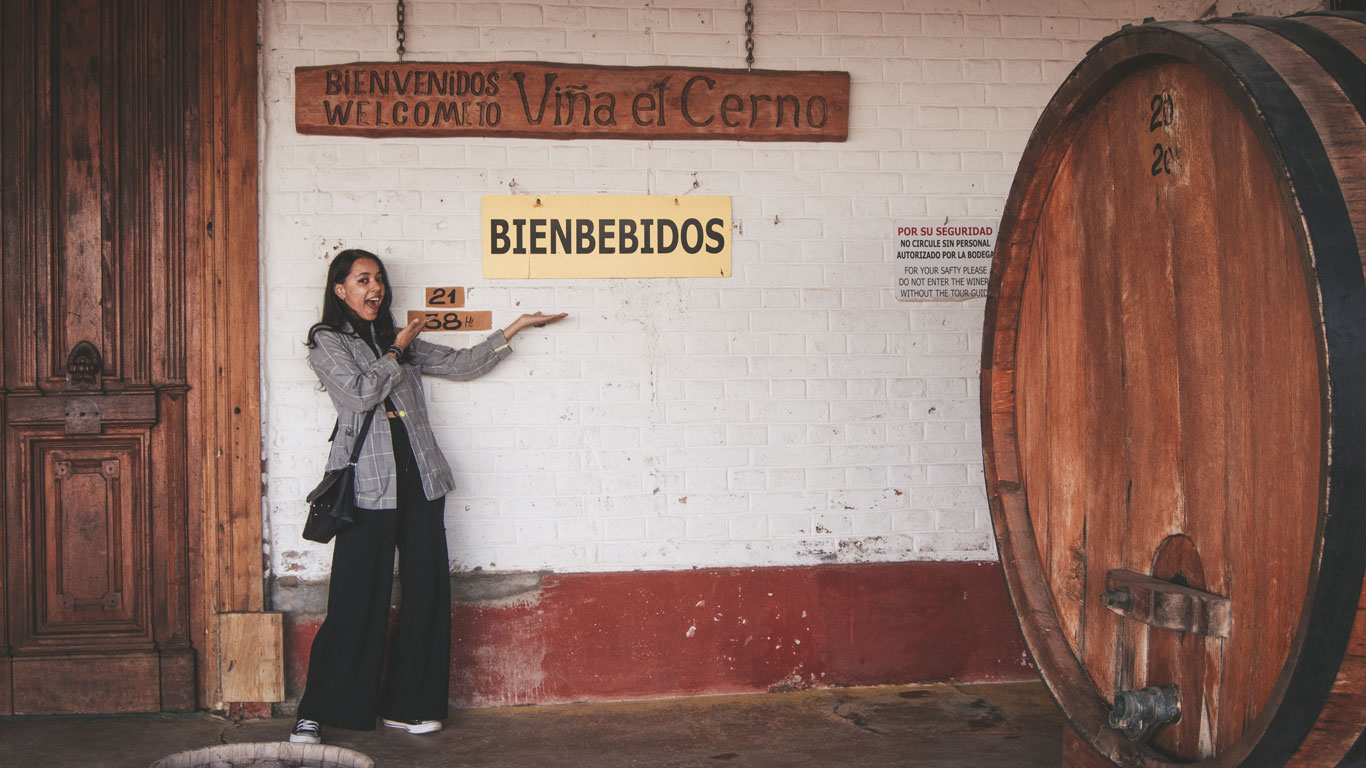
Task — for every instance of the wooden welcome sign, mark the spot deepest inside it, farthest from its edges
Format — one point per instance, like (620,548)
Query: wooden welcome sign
(569,101)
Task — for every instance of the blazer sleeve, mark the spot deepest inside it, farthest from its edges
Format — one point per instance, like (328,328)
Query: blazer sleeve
(352,387)
(461,364)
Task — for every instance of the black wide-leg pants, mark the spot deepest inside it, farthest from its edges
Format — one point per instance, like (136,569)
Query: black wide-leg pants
(346,664)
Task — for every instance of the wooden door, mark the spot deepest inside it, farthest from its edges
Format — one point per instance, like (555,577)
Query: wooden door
(97,147)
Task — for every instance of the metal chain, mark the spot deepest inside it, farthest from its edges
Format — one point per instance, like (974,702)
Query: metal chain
(749,34)
(401,35)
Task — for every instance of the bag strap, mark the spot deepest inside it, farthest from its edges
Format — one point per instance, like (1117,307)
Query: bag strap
(360,439)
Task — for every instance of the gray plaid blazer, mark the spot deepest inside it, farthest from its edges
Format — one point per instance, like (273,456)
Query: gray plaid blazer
(357,382)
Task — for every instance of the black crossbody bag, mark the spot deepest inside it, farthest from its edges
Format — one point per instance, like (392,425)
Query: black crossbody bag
(331,505)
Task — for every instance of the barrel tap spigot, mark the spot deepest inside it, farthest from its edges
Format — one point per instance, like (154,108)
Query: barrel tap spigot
(1139,713)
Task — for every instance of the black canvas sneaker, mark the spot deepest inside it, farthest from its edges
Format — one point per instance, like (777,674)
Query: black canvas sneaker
(414,726)
(306,732)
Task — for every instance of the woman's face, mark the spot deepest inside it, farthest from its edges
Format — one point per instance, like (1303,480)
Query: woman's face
(363,289)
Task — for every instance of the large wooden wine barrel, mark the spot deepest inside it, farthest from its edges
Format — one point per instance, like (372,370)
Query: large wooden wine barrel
(1174,394)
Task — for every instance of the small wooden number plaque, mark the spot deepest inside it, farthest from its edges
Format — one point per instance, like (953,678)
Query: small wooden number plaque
(450,298)
(439,320)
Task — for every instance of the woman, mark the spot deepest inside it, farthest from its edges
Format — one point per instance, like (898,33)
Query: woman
(401,483)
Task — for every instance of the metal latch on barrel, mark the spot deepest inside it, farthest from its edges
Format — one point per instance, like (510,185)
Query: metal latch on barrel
(1166,604)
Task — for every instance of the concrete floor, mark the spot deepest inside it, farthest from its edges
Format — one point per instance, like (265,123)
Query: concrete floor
(1014,725)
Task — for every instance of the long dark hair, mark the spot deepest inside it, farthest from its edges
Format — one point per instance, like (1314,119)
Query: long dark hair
(339,317)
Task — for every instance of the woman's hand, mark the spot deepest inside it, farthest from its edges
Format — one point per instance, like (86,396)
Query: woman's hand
(406,336)
(534,320)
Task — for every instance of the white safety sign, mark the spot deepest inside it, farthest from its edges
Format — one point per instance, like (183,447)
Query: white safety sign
(943,259)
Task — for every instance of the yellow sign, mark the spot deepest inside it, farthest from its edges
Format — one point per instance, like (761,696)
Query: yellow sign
(525,236)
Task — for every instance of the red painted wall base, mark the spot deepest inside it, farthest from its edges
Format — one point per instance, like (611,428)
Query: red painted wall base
(645,634)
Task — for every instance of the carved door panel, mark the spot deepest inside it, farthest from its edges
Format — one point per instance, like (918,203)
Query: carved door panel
(96,149)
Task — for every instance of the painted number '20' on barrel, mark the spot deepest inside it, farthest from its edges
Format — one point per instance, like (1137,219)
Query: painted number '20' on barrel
(1174,395)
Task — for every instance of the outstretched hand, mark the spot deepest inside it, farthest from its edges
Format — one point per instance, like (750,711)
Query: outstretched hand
(533,320)
(406,336)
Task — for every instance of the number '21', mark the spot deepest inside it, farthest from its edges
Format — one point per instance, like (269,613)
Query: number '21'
(446,297)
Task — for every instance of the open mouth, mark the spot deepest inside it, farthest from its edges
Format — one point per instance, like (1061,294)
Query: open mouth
(372,303)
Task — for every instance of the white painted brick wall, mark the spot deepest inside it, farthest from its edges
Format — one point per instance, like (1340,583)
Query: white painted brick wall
(794,413)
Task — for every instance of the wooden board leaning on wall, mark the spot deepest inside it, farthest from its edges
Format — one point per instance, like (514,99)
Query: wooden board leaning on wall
(568,101)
